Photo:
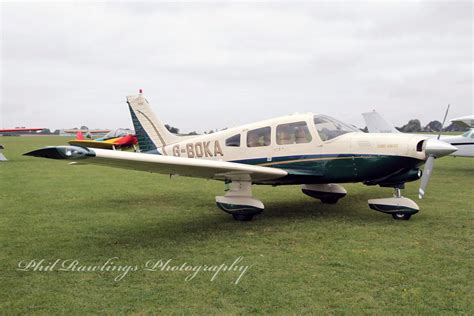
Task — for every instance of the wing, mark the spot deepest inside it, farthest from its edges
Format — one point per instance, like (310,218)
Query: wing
(465,121)
(91,143)
(200,168)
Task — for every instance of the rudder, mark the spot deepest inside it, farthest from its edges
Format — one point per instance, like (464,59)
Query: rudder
(150,131)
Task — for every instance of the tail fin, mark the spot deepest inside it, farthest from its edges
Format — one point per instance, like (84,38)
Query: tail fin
(79,136)
(151,132)
(377,124)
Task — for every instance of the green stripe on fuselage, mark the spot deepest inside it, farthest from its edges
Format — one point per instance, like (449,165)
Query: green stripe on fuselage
(336,168)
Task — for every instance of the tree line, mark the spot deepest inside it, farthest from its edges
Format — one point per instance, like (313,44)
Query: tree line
(413,126)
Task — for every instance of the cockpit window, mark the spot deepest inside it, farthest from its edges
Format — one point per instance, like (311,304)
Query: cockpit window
(117,133)
(259,137)
(329,128)
(233,141)
(293,133)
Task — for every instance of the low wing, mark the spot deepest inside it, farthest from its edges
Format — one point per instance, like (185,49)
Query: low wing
(377,124)
(208,169)
(91,143)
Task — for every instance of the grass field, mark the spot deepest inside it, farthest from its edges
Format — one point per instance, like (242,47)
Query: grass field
(304,257)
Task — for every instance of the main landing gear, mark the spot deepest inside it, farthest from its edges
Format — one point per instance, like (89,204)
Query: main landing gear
(238,201)
(327,193)
(398,206)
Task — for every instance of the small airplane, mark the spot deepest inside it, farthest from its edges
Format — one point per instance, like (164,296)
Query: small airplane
(20,130)
(464,142)
(312,150)
(117,139)
(14,131)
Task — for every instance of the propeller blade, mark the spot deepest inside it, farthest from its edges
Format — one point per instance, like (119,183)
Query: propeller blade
(444,121)
(434,148)
(425,178)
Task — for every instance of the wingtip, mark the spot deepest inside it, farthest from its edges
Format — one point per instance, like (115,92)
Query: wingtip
(46,152)
(61,152)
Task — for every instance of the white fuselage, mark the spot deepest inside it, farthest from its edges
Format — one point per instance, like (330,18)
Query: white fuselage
(351,157)
(464,143)
(213,146)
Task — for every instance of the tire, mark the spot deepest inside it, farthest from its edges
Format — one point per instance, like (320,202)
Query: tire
(242,217)
(329,200)
(401,216)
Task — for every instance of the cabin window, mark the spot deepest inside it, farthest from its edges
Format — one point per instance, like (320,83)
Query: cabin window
(233,141)
(259,137)
(293,133)
(329,128)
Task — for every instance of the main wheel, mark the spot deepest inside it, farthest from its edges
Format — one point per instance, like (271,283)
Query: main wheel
(242,217)
(329,200)
(401,216)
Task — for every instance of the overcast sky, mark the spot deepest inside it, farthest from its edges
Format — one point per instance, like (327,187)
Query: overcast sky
(211,65)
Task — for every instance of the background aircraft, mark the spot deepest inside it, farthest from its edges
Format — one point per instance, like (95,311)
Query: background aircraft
(117,139)
(2,157)
(315,151)
(14,131)
(464,142)
(19,130)
(466,121)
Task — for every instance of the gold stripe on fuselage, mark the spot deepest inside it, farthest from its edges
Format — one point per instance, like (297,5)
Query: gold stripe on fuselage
(308,159)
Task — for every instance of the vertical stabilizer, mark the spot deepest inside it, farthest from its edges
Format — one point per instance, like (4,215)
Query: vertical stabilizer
(79,136)
(150,131)
(377,124)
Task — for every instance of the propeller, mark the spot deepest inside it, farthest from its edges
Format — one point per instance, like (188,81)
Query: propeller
(434,148)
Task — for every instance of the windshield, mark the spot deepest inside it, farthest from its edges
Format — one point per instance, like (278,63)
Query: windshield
(329,128)
(117,133)
(469,133)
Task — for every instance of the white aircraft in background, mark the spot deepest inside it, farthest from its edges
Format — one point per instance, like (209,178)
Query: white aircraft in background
(2,157)
(464,142)
(314,151)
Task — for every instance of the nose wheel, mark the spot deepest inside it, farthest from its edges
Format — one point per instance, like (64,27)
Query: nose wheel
(401,216)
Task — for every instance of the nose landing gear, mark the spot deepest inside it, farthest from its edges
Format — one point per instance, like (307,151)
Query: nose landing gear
(399,207)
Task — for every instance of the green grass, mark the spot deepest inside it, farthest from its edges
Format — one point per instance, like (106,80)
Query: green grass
(305,257)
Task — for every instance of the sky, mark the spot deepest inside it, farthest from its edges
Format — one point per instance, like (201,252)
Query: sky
(210,65)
